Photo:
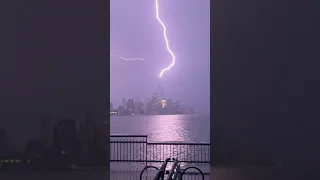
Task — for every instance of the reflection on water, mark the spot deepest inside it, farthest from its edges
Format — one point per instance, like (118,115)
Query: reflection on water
(168,128)
(186,128)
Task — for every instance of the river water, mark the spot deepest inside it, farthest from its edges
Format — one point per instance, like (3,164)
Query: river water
(159,128)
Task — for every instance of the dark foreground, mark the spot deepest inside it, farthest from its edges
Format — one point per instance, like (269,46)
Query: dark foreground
(257,173)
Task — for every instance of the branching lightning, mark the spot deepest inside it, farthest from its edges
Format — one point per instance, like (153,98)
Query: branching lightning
(127,59)
(166,39)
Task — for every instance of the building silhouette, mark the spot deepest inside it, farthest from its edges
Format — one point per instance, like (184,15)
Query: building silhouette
(130,105)
(3,143)
(124,102)
(98,145)
(89,139)
(33,153)
(137,105)
(45,132)
(164,102)
(121,109)
(141,107)
(148,107)
(65,141)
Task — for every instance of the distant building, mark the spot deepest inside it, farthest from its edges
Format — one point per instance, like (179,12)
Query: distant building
(65,141)
(158,105)
(176,104)
(148,107)
(124,102)
(3,143)
(141,107)
(176,107)
(170,103)
(130,105)
(163,102)
(44,132)
(137,110)
(34,151)
(98,147)
(89,137)
(111,106)
(121,109)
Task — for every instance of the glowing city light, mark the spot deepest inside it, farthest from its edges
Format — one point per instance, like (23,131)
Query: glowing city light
(166,39)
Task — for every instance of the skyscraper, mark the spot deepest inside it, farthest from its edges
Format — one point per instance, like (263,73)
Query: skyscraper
(148,107)
(141,107)
(90,126)
(33,150)
(164,102)
(44,132)
(65,141)
(130,105)
(137,105)
(124,102)
(170,106)
(121,109)
(176,106)
(99,146)
(3,143)
(170,103)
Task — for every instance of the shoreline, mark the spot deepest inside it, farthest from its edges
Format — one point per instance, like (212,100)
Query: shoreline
(153,114)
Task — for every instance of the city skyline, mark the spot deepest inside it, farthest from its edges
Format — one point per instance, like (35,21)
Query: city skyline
(141,99)
(158,103)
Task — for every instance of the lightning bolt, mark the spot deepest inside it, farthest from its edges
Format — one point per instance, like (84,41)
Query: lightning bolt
(166,39)
(127,59)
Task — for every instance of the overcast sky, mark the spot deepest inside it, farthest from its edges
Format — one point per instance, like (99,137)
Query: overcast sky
(135,32)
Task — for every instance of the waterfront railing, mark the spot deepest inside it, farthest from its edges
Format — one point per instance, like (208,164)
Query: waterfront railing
(136,148)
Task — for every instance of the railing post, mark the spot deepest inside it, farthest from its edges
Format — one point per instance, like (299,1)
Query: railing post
(146,150)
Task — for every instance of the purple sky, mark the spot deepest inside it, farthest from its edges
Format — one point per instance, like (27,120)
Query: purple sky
(135,32)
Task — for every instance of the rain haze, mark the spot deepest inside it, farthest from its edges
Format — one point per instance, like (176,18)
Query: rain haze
(136,33)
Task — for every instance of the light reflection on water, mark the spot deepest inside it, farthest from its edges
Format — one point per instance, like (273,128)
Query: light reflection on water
(185,128)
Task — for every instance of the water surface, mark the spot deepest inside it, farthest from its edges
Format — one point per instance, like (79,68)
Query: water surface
(187,128)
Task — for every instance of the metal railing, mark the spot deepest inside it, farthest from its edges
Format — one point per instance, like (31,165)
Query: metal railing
(136,148)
